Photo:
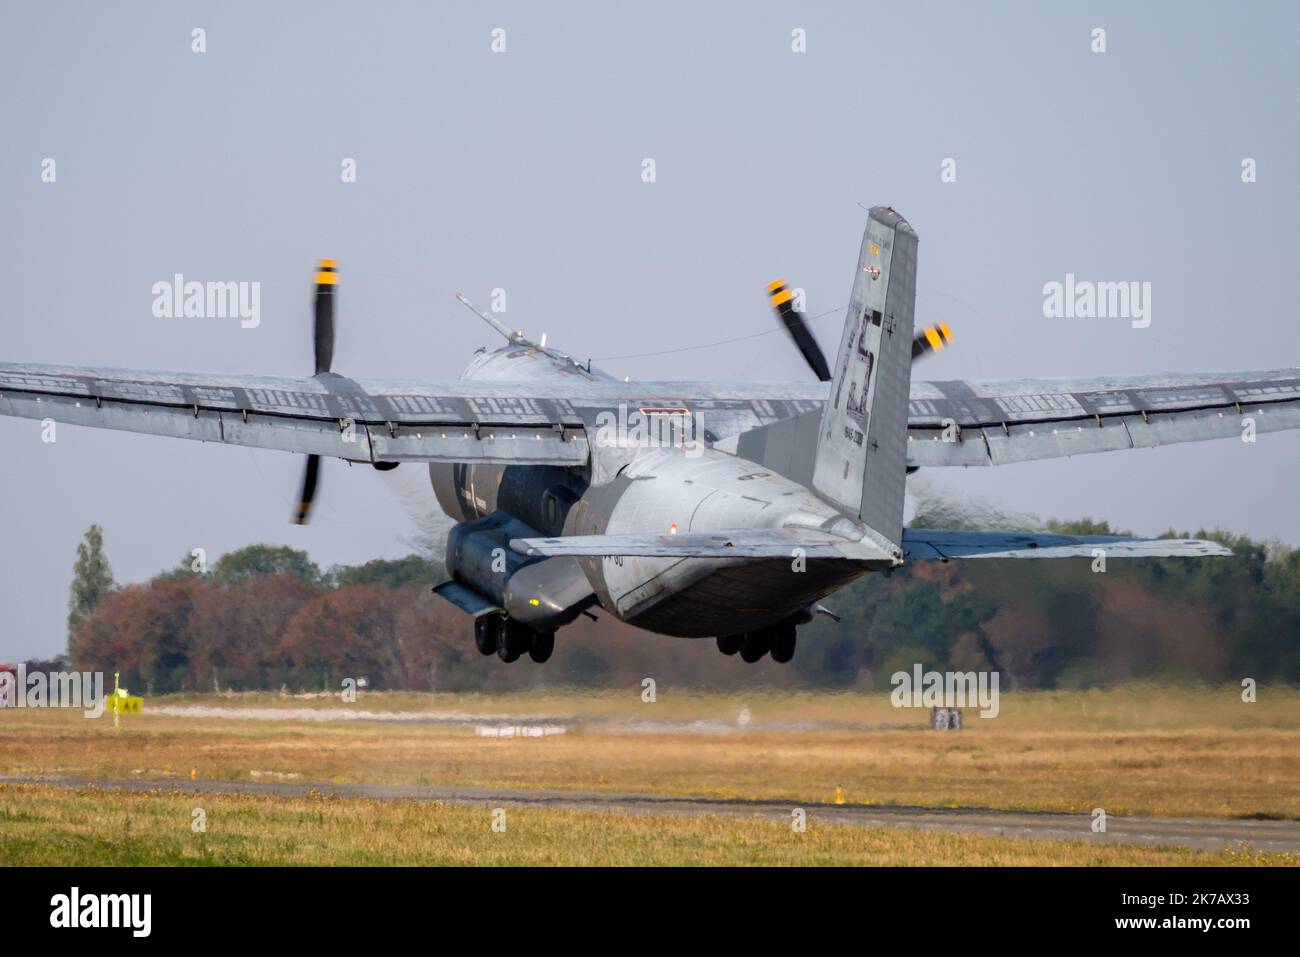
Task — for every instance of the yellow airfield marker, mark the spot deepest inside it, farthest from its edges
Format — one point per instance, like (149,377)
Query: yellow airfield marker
(122,702)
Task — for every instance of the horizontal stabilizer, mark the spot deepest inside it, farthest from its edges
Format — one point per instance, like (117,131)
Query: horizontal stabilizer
(744,543)
(936,544)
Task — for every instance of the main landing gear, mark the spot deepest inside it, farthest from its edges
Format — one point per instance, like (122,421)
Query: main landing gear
(508,639)
(778,641)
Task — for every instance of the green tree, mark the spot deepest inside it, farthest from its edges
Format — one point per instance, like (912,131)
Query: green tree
(182,572)
(265,560)
(92,578)
(391,572)
(903,618)
(1083,526)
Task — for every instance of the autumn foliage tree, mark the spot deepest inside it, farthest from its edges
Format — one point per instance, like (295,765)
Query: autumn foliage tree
(143,631)
(394,637)
(266,617)
(237,635)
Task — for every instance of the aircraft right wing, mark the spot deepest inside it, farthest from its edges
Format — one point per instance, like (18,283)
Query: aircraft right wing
(1001,422)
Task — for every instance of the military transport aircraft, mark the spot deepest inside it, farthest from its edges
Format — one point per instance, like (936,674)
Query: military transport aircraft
(699,509)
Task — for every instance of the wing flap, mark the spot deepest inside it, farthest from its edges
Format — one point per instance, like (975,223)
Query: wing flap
(205,425)
(514,445)
(935,544)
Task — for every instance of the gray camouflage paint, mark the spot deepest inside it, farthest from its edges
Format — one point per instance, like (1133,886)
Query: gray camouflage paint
(515,453)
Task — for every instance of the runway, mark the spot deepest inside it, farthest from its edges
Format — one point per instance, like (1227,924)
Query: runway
(1209,834)
(492,720)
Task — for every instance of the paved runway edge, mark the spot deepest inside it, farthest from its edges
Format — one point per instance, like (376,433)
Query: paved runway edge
(1196,833)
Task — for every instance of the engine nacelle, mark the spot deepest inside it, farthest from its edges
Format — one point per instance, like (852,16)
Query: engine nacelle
(479,553)
(543,593)
(539,495)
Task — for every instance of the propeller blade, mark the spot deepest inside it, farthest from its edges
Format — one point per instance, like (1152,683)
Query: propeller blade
(931,339)
(797,326)
(309,479)
(327,278)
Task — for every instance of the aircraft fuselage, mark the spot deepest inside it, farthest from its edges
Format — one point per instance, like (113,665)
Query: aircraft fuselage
(634,489)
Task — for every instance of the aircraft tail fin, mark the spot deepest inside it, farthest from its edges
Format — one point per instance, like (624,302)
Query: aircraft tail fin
(861,462)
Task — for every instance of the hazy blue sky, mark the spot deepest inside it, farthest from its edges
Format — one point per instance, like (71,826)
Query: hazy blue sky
(523,171)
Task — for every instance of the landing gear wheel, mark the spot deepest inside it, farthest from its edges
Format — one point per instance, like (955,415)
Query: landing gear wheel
(729,644)
(485,634)
(754,646)
(542,646)
(783,644)
(513,640)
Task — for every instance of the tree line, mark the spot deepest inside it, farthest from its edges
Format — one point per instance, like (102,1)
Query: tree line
(267,617)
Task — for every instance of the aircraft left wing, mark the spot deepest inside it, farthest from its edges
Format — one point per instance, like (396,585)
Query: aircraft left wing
(1001,422)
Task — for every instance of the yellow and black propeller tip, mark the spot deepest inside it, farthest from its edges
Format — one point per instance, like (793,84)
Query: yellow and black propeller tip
(310,477)
(327,277)
(931,339)
(782,300)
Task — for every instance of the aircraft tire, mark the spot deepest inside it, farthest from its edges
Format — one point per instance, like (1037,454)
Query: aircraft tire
(513,640)
(783,644)
(542,645)
(754,645)
(485,634)
(729,644)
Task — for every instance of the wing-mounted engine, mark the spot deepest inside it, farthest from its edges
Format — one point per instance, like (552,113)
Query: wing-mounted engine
(492,580)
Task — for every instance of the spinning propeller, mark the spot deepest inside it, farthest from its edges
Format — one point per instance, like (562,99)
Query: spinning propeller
(327,278)
(796,325)
(929,339)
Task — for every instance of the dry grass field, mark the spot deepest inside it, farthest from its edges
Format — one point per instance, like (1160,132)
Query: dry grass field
(1141,750)
(40,825)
